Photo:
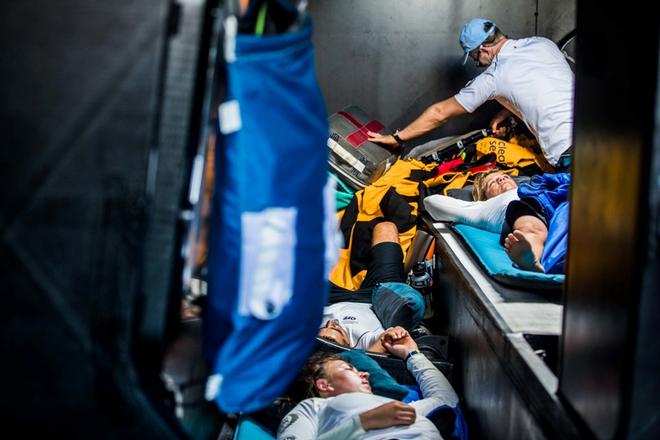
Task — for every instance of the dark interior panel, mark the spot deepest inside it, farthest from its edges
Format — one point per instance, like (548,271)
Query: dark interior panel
(394,58)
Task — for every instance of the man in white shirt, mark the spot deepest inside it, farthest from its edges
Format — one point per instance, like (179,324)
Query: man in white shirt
(529,77)
(345,407)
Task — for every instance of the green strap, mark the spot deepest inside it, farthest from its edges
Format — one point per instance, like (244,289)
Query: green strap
(343,194)
(261,20)
(342,200)
(344,187)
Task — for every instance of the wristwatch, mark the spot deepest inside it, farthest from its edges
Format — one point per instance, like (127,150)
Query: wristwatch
(396,137)
(411,354)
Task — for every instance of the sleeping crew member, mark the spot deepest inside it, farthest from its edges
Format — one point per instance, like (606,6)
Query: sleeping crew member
(532,219)
(345,408)
(354,324)
(529,77)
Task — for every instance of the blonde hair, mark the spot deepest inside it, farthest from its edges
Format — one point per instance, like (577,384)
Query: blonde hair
(479,188)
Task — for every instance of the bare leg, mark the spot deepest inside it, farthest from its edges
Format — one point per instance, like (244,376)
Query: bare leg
(384,232)
(525,244)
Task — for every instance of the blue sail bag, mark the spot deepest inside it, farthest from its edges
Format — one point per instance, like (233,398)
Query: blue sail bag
(272,211)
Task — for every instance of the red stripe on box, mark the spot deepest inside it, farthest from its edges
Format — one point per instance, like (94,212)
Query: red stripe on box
(374,126)
(357,138)
(351,119)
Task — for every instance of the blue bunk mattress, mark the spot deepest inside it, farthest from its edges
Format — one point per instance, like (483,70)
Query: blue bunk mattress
(493,258)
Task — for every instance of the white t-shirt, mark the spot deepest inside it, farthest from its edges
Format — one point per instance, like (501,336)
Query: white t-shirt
(359,321)
(488,214)
(531,78)
(338,417)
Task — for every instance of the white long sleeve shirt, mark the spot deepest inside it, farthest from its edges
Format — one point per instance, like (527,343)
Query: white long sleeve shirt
(338,417)
(488,214)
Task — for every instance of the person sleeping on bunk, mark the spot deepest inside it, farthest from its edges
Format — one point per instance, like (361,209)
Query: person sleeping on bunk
(344,407)
(532,219)
(353,321)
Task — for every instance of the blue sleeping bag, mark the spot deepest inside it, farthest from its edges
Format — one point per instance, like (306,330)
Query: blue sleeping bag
(271,215)
(551,193)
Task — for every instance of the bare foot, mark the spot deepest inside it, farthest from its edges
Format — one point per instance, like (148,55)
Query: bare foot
(520,251)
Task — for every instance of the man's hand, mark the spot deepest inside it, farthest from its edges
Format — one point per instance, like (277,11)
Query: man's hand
(497,123)
(390,414)
(385,139)
(398,342)
(393,333)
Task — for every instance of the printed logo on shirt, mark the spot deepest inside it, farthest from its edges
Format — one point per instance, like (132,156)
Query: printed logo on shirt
(348,320)
(288,421)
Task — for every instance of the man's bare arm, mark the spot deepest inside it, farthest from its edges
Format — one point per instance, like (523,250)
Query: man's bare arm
(433,117)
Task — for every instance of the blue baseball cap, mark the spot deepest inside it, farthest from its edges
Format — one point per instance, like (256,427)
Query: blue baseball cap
(473,35)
